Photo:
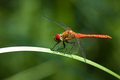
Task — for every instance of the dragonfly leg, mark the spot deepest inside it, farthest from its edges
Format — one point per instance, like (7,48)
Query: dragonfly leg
(64,46)
(54,46)
(59,47)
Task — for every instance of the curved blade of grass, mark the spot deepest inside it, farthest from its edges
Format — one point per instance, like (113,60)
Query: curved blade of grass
(39,49)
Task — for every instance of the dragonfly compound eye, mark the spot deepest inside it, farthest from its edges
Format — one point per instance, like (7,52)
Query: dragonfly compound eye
(57,38)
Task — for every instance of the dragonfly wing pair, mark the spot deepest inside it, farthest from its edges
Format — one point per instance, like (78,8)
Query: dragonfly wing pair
(75,44)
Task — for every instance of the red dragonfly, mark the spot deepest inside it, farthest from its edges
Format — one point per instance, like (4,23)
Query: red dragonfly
(69,35)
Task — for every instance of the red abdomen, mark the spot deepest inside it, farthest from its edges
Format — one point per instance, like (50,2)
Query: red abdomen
(79,35)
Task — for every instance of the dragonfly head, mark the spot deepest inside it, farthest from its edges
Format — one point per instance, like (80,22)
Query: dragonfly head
(57,38)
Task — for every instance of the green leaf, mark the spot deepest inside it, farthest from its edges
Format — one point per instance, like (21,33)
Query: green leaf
(46,50)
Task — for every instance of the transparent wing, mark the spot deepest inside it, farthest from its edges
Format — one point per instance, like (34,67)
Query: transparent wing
(80,45)
(65,27)
(73,46)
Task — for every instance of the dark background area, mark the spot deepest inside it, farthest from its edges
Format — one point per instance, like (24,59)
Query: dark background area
(22,24)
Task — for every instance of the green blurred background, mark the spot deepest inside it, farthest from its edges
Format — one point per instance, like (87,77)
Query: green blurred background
(22,24)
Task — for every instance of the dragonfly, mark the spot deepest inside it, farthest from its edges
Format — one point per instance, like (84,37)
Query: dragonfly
(69,35)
